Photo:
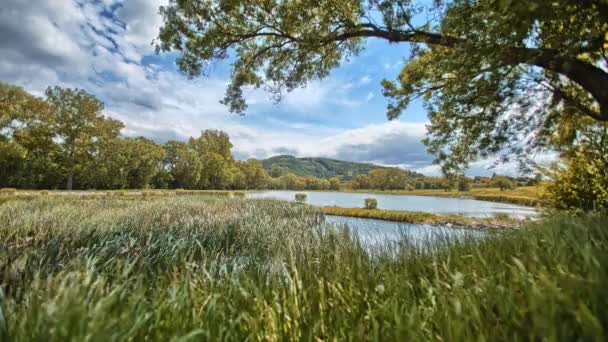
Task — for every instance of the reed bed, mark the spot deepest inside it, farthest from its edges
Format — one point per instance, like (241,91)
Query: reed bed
(195,268)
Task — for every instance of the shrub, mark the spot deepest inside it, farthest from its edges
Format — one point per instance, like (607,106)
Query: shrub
(301,198)
(504,183)
(502,216)
(464,184)
(371,203)
(581,184)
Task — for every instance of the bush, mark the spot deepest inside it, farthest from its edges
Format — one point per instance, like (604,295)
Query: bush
(464,184)
(581,184)
(301,198)
(371,203)
(502,216)
(504,183)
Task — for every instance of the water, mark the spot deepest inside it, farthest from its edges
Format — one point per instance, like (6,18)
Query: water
(436,205)
(372,231)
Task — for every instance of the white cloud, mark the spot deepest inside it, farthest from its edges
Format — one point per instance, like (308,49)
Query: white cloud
(76,43)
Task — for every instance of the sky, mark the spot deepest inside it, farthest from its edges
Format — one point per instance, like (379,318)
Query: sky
(105,47)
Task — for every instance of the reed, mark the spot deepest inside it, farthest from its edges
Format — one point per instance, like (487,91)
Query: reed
(218,268)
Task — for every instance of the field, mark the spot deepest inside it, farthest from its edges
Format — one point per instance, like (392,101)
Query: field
(193,268)
(525,195)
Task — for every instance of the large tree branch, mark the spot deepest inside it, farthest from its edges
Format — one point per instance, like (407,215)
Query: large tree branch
(589,77)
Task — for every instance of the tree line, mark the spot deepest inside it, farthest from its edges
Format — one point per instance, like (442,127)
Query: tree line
(64,141)
(398,179)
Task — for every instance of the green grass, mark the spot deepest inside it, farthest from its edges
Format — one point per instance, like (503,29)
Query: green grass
(216,268)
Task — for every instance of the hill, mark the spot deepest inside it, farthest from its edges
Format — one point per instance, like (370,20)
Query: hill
(322,167)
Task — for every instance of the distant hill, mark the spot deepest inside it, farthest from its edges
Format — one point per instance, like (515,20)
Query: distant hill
(322,167)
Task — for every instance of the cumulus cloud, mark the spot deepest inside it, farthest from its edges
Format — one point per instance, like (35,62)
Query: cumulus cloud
(102,45)
(391,143)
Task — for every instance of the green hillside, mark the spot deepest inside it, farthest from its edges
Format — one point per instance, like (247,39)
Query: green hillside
(321,167)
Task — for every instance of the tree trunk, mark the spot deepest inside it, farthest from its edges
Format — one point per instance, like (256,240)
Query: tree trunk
(70,180)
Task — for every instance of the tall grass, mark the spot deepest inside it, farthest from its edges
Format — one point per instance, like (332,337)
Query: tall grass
(202,268)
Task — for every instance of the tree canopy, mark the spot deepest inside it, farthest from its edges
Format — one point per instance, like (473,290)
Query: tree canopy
(495,75)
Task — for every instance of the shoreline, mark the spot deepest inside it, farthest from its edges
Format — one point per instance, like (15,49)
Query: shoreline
(419,217)
(518,197)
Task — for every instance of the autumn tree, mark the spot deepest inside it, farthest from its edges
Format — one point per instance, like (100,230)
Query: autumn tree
(503,183)
(464,183)
(334,183)
(253,173)
(497,77)
(78,127)
(389,179)
(26,140)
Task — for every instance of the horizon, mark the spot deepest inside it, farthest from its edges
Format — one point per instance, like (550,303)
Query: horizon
(104,47)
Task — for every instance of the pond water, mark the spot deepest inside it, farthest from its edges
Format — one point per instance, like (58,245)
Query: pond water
(372,231)
(437,205)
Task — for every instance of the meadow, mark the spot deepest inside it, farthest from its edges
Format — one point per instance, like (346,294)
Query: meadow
(201,267)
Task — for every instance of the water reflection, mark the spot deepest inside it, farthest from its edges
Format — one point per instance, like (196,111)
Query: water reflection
(372,231)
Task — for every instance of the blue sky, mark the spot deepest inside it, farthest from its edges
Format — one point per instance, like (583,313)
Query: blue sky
(104,47)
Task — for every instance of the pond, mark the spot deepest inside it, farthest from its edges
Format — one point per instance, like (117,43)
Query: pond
(436,205)
(372,231)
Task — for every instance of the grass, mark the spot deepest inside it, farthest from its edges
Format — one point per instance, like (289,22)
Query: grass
(526,195)
(217,268)
(499,221)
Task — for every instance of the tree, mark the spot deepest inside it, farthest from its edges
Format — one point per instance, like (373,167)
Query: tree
(503,182)
(183,163)
(464,184)
(26,141)
(255,176)
(277,171)
(482,67)
(360,182)
(334,183)
(389,179)
(581,184)
(213,148)
(370,203)
(147,158)
(79,127)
